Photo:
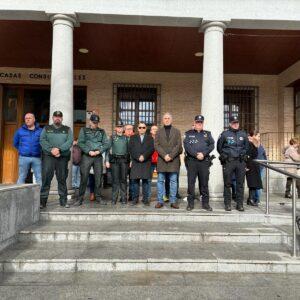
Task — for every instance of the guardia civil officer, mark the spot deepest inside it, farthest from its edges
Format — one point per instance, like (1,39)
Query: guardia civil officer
(93,142)
(118,161)
(198,144)
(233,146)
(56,141)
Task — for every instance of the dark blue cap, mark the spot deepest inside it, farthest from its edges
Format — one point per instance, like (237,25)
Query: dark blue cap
(233,119)
(199,118)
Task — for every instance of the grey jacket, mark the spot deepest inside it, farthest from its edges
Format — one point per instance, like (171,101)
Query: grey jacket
(171,146)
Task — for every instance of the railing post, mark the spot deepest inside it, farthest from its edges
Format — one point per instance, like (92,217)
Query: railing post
(294,251)
(268,190)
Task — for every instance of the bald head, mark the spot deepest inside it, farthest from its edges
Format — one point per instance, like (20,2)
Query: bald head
(29,120)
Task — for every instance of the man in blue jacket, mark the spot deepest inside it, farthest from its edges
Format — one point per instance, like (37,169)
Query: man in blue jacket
(27,142)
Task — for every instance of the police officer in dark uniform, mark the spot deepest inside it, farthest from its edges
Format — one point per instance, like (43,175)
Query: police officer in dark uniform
(233,147)
(118,160)
(56,141)
(198,144)
(93,142)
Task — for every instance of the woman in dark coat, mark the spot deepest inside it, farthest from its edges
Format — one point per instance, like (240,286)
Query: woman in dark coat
(253,177)
(141,148)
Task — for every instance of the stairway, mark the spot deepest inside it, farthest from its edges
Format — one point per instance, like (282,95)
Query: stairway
(107,239)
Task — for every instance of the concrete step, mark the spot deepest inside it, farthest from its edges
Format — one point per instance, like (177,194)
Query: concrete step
(74,231)
(148,256)
(164,215)
(148,285)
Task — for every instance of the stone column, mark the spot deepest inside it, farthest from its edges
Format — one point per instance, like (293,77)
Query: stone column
(61,94)
(213,94)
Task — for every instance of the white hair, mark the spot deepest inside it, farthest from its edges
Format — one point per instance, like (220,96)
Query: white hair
(168,114)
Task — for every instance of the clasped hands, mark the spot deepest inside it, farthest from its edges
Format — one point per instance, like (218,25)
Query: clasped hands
(94,153)
(55,152)
(167,158)
(200,156)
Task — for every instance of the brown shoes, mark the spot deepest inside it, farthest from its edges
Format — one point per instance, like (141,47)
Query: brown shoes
(92,197)
(159,205)
(174,205)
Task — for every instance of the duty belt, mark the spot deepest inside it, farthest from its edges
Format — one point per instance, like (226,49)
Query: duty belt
(119,156)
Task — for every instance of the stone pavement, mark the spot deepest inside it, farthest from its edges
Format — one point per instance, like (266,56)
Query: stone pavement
(148,285)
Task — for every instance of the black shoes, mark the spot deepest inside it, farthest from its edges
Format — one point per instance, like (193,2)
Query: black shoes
(227,207)
(288,195)
(251,202)
(207,207)
(146,202)
(240,207)
(134,202)
(190,207)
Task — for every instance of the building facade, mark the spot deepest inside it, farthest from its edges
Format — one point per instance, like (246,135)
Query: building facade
(134,60)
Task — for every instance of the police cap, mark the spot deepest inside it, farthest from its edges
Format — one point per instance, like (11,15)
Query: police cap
(58,113)
(95,118)
(119,124)
(199,118)
(233,119)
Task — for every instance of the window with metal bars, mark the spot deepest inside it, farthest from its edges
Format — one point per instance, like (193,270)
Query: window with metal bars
(297,109)
(241,101)
(136,102)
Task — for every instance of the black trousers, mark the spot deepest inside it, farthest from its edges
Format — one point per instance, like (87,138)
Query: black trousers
(288,187)
(119,171)
(238,168)
(198,169)
(59,165)
(85,166)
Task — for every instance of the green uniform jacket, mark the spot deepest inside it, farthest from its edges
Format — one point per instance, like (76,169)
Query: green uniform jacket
(118,145)
(93,140)
(56,137)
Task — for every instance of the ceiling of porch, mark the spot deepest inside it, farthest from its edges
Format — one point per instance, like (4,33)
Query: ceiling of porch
(147,48)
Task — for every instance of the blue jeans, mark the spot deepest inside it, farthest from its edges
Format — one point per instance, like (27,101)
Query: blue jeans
(161,186)
(75,177)
(25,163)
(136,189)
(258,191)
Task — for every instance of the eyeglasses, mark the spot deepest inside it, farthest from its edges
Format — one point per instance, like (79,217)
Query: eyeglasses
(142,127)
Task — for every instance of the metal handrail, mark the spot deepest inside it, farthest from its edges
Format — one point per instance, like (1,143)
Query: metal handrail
(268,165)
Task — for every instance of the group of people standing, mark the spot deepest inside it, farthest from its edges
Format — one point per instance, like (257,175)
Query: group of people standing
(137,155)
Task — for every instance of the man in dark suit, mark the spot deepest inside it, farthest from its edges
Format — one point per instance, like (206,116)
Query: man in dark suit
(141,148)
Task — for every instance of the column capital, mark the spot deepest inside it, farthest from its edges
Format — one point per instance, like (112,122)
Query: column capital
(214,25)
(66,19)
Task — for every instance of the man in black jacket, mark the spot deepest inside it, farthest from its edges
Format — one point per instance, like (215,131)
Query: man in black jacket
(141,148)
(233,146)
